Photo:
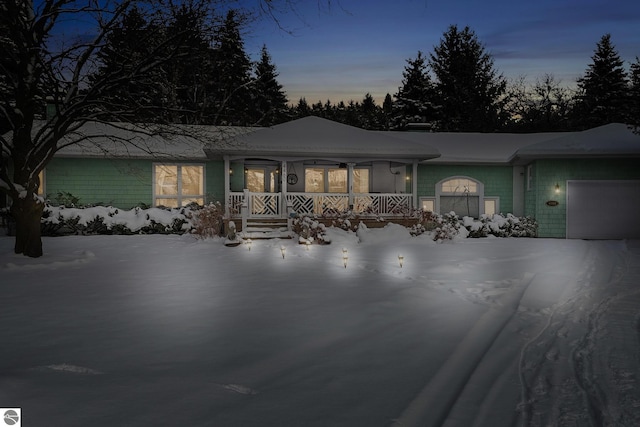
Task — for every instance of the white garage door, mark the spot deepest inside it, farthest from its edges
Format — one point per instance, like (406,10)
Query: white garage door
(603,209)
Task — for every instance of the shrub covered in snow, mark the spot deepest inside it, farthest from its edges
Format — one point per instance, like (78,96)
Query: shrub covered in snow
(501,226)
(109,220)
(208,221)
(309,230)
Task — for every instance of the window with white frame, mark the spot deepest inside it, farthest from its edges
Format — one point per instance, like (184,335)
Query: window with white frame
(318,179)
(176,185)
(460,195)
(491,205)
(428,204)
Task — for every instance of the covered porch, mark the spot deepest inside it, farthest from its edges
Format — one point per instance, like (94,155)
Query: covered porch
(313,166)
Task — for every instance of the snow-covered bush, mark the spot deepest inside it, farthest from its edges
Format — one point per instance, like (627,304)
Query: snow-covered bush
(109,220)
(207,221)
(309,230)
(501,226)
(447,227)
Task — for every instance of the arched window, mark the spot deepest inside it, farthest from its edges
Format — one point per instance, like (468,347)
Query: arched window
(460,194)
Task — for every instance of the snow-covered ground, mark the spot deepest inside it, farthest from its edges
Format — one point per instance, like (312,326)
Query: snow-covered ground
(170,330)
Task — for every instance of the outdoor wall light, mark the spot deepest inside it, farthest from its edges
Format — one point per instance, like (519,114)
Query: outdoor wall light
(407,178)
(230,171)
(400,260)
(283,250)
(249,243)
(557,188)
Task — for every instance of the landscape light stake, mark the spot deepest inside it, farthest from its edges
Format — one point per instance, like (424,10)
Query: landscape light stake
(283,250)
(400,260)
(308,244)
(249,242)
(344,260)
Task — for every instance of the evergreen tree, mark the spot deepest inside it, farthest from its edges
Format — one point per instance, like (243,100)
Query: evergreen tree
(130,44)
(603,88)
(387,108)
(414,100)
(470,92)
(188,78)
(302,109)
(370,114)
(232,80)
(270,100)
(634,94)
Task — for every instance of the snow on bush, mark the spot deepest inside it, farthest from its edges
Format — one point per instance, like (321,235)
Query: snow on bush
(110,220)
(208,221)
(310,229)
(501,226)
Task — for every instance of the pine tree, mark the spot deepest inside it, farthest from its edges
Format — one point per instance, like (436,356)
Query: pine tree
(189,74)
(470,92)
(302,109)
(387,109)
(232,80)
(414,100)
(270,100)
(634,94)
(603,88)
(129,46)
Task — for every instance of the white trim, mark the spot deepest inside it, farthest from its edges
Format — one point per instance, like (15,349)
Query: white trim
(427,199)
(529,177)
(478,193)
(496,200)
(179,196)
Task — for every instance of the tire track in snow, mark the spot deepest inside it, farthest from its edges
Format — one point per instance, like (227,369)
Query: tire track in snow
(434,402)
(589,381)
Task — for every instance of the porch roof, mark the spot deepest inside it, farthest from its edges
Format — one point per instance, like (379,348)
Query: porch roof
(318,138)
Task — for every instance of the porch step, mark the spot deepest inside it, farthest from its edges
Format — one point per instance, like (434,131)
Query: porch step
(267,229)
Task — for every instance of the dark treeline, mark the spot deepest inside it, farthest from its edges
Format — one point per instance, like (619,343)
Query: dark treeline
(457,88)
(205,76)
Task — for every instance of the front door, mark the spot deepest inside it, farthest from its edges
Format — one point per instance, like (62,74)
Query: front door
(262,180)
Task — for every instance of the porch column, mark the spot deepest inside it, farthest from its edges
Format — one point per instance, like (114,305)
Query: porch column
(414,184)
(283,188)
(227,186)
(350,183)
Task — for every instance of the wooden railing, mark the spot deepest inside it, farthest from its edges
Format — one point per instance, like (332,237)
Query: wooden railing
(269,204)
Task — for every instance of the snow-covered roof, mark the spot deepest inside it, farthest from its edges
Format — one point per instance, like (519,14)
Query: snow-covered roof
(148,141)
(315,137)
(612,140)
(474,148)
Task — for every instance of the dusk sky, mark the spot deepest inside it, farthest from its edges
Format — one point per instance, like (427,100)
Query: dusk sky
(356,46)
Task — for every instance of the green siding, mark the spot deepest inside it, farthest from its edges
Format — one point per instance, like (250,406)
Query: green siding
(117,182)
(214,185)
(548,173)
(497,180)
(121,183)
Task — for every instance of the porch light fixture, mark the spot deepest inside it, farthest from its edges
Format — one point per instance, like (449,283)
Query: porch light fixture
(407,178)
(249,243)
(230,171)
(400,260)
(557,188)
(282,251)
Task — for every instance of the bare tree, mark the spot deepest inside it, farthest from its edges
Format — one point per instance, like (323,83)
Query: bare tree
(36,65)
